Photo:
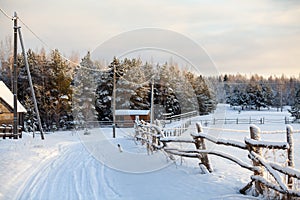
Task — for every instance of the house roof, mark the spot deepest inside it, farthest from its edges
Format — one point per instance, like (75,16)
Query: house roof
(7,96)
(132,112)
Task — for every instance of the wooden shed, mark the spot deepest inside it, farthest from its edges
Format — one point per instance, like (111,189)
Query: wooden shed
(126,118)
(7,107)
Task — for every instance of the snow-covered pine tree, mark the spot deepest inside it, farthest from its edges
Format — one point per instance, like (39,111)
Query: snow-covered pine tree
(295,108)
(235,99)
(30,120)
(84,85)
(162,88)
(267,94)
(104,91)
(60,92)
(190,102)
(277,100)
(260,95)
(133,80)
(205,96)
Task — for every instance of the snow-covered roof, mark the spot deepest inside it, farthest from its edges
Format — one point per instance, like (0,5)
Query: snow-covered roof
(132,112)
(8,97)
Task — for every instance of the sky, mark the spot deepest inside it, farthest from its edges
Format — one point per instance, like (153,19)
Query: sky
(245,37)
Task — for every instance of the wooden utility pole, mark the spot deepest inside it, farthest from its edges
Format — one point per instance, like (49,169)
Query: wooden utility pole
(15,120)
(31,86)
(114,102)
(15,80)
(152,102)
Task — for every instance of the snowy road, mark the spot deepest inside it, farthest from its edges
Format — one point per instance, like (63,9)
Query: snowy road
(74,174)
(61,168)
(70,166)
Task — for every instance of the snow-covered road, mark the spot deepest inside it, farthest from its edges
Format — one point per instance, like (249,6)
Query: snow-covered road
(73,174)
(61,168)
(68,165)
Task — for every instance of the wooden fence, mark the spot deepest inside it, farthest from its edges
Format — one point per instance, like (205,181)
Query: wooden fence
(170,117)
(250,120)
(6,131)
(282,179)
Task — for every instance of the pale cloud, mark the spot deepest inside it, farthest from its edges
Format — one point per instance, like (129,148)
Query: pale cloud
(239,35)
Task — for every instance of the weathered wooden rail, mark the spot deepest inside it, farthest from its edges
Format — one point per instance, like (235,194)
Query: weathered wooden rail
(243,120)
(282,181)
(6,131)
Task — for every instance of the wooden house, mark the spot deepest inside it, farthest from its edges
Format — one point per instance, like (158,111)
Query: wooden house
(7,107)
(126,118)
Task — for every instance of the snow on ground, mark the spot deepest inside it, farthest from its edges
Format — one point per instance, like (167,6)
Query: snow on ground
(70,165)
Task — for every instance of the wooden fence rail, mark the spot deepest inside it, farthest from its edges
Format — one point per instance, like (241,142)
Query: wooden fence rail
(6,131)
(283,179)
(250,120)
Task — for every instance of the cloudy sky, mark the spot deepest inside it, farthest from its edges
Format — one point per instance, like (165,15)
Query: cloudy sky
(244,37)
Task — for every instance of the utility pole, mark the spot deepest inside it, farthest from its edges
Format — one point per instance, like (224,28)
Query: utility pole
(114,102)
(152,101)
(152,95)
(15,120)
(31,86)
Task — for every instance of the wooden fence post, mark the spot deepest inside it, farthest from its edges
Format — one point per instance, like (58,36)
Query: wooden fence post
(200,144)
(255,135)
(290,152)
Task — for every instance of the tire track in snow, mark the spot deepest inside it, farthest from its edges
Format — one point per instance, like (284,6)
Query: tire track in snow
(49,179)
(74,174)
(111,193)
(56,179)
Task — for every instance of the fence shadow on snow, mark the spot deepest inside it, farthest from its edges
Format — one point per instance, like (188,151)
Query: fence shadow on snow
(269,179)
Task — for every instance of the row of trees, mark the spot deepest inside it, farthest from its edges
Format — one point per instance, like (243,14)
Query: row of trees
(66,93)
(174,91)
(256,91)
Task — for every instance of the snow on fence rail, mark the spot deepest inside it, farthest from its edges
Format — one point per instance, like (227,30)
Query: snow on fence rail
(182,116)
(7,131)
(250,120)
(282,179)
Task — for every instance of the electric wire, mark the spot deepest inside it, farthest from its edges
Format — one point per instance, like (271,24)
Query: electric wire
(5,14)
(48,46)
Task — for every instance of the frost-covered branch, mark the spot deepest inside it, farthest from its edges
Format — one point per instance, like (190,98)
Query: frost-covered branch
(217,153)
(275,187)
(286,170)
(273,172)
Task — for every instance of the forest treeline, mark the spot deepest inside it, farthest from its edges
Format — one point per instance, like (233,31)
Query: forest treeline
(68,93)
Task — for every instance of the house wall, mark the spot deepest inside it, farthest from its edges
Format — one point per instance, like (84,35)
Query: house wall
(7,115)
(128,120)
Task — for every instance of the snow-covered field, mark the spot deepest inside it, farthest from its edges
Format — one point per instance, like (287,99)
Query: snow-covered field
(70,165)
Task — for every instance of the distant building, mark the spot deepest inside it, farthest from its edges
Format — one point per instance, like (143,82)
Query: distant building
(7,107)
(126,118)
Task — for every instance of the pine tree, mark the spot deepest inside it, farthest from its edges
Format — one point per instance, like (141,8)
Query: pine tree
(60,92)
(205,96)
(104,92)
(30,120)
(277,100)
(84,92)
(130,86)
(295,109)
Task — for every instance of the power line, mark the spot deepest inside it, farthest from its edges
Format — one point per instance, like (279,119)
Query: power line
(33,33)
(48,46)
(5,14)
